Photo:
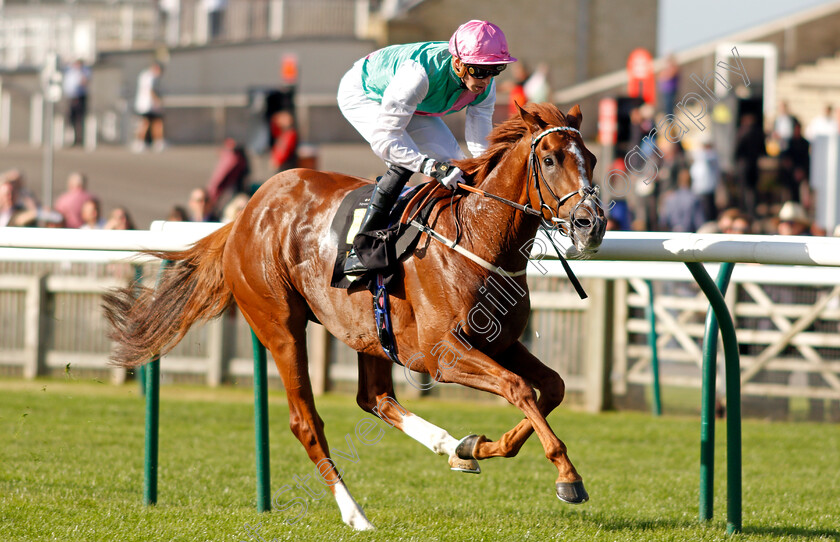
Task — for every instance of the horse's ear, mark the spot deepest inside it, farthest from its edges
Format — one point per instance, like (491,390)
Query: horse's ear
(574,116)
(534,124)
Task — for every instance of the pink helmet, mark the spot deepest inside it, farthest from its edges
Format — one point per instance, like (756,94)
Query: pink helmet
(480,42)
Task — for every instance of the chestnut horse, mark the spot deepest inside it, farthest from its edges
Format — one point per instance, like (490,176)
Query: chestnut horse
(275,262)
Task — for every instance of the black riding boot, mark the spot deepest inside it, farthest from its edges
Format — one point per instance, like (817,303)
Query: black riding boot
(376,217)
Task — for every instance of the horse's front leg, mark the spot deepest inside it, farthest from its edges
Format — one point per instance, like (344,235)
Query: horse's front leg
(552,389)
(479,371)
(376,395)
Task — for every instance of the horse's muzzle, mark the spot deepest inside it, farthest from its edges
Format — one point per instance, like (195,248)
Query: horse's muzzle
(588,227)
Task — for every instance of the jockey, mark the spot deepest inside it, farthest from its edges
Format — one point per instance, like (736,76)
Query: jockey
(395,97)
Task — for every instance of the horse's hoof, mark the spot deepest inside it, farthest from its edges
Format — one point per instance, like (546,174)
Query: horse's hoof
(572,492)
(468,445)
(464,465)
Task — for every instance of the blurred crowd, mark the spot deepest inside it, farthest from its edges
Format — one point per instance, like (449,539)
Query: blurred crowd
(76,207)
(767,189)
(222,198)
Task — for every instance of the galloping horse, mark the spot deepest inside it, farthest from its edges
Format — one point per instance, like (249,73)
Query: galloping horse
(275,262)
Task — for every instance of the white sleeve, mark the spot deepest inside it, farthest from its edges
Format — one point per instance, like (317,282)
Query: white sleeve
(480,122)
(389,139)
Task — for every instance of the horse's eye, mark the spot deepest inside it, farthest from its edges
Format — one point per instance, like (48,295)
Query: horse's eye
(548,161)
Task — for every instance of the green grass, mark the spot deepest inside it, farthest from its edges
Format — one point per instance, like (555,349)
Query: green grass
(71,468)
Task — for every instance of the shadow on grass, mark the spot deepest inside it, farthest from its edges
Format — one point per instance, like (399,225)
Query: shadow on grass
(612,523)
(831,534)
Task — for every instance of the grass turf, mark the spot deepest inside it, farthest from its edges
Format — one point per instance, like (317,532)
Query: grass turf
(71,468)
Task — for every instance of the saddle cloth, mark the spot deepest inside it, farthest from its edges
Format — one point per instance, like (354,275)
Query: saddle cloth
(380,250)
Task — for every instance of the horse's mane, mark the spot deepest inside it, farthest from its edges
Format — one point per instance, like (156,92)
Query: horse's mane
(505,136)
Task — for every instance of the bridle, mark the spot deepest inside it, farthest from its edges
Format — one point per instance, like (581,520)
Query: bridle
(565,227)
(586,191)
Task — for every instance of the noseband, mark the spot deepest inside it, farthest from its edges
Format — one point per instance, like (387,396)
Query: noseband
(535,172)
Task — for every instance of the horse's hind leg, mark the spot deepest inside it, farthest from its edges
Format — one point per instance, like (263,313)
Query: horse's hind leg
(376,395)
(282,328)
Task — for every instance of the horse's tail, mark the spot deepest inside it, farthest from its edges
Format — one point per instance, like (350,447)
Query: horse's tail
(149,321)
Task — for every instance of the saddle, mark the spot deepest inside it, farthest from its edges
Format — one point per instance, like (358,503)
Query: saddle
(380,250)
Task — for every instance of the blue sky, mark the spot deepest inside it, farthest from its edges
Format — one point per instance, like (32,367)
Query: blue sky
(685,23)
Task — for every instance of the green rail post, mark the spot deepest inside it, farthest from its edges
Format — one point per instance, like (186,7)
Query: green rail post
(707,410)
(654,353)
(140,372)
(150,463)
(261,425)
(733,394)
(152,421)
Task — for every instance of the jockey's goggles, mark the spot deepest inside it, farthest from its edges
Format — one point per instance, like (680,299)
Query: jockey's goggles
(483,72)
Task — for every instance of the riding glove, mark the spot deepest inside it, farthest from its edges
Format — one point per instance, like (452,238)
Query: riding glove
(446,174)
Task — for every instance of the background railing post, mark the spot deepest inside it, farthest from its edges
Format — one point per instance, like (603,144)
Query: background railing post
(733,394)
(140,372)
(709,395)
(261,425)
(152,374)
(150,466)
(654,353)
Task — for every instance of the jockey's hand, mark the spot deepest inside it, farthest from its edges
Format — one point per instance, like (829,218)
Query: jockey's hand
(444,173)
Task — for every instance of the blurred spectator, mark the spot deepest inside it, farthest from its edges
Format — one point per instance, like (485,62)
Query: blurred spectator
(669,82)
(198,207)
(119,219)
(526,86)
(516,87)
(23,196)
(618,216)
(795,167)
(783,127)
(76,80)
(724,220)
(149,106)
(740,224)
(731,221)
(673,162)
(536,87)
(284,150)
(215,10)
(69,204)
(234,207)
(793,220)
(231,171)
(825,124)
(705,176)
(749,148)
(177,214)
(92,215)
(680,209)
(12,214)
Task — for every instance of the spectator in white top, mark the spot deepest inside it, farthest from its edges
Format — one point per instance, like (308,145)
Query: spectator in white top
(705,176)
(149,106)
(76,79)
(825,124)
